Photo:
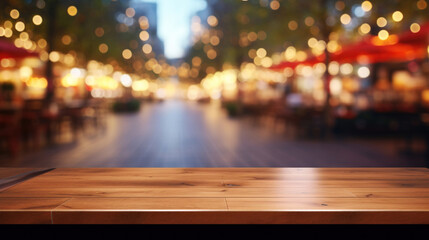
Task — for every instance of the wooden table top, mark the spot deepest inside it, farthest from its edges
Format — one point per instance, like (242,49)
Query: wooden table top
(220,195)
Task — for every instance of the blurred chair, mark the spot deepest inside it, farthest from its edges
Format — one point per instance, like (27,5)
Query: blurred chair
(32,125)
(10,128)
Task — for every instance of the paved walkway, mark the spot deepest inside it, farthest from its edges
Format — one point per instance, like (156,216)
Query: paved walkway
(188,134)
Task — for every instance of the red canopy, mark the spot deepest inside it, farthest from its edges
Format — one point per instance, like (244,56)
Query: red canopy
(405,47)
(8,50)
(420,37)
(372,50)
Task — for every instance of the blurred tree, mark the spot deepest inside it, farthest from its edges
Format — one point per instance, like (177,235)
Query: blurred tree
(93,30)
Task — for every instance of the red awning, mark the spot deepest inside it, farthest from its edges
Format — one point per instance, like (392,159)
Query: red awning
(8,50)
(420,37)
(370,50)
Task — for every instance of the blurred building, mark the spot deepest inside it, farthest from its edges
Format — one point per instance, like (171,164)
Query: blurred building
(149,10)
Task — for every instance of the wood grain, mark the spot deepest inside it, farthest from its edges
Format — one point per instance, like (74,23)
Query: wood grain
(220,195)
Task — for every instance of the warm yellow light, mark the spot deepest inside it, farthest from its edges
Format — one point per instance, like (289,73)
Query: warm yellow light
(275,5)
(381,22)
(266,62)
(37,83)
(8,24)
(261,52)
(144,35)
(147,48)
(365,28)
(141,85)
(69,81)
(54,56)
(24,36)
(366,6)
(103,48)
(212,21)
(383,35)
(415,27)
(301,56)
(127,54)
(2,31)
(345,19)
(14,14)
(290,53)
(25,72)
(397,16)
(19,26)
(37,19)
(72,11)
(312,42)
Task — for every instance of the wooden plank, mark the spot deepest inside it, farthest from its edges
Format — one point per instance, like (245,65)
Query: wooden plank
(28,210)
(321,183)
(337,204)
(232,195)
(140,204)
(109,192)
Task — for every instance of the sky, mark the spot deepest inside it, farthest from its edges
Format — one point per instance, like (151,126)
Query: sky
(174,24)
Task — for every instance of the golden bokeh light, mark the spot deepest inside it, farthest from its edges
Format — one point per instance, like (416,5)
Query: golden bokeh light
(144,35)
(37,19)
(212,21)
(381,22)
(415,27)
(345,19)
(54,56)
(261,52)
(397,16)
(147,48)
(365,28)
(366,6)
(72,10)
(383,35)
(19,26)
(42,43)
(211,54)
(275,5)
(103,48)
(14,14)
(127,54)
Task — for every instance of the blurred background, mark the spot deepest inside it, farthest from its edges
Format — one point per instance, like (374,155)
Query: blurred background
(214,83)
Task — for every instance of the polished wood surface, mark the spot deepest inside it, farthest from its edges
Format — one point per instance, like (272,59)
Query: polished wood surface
(220,195)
